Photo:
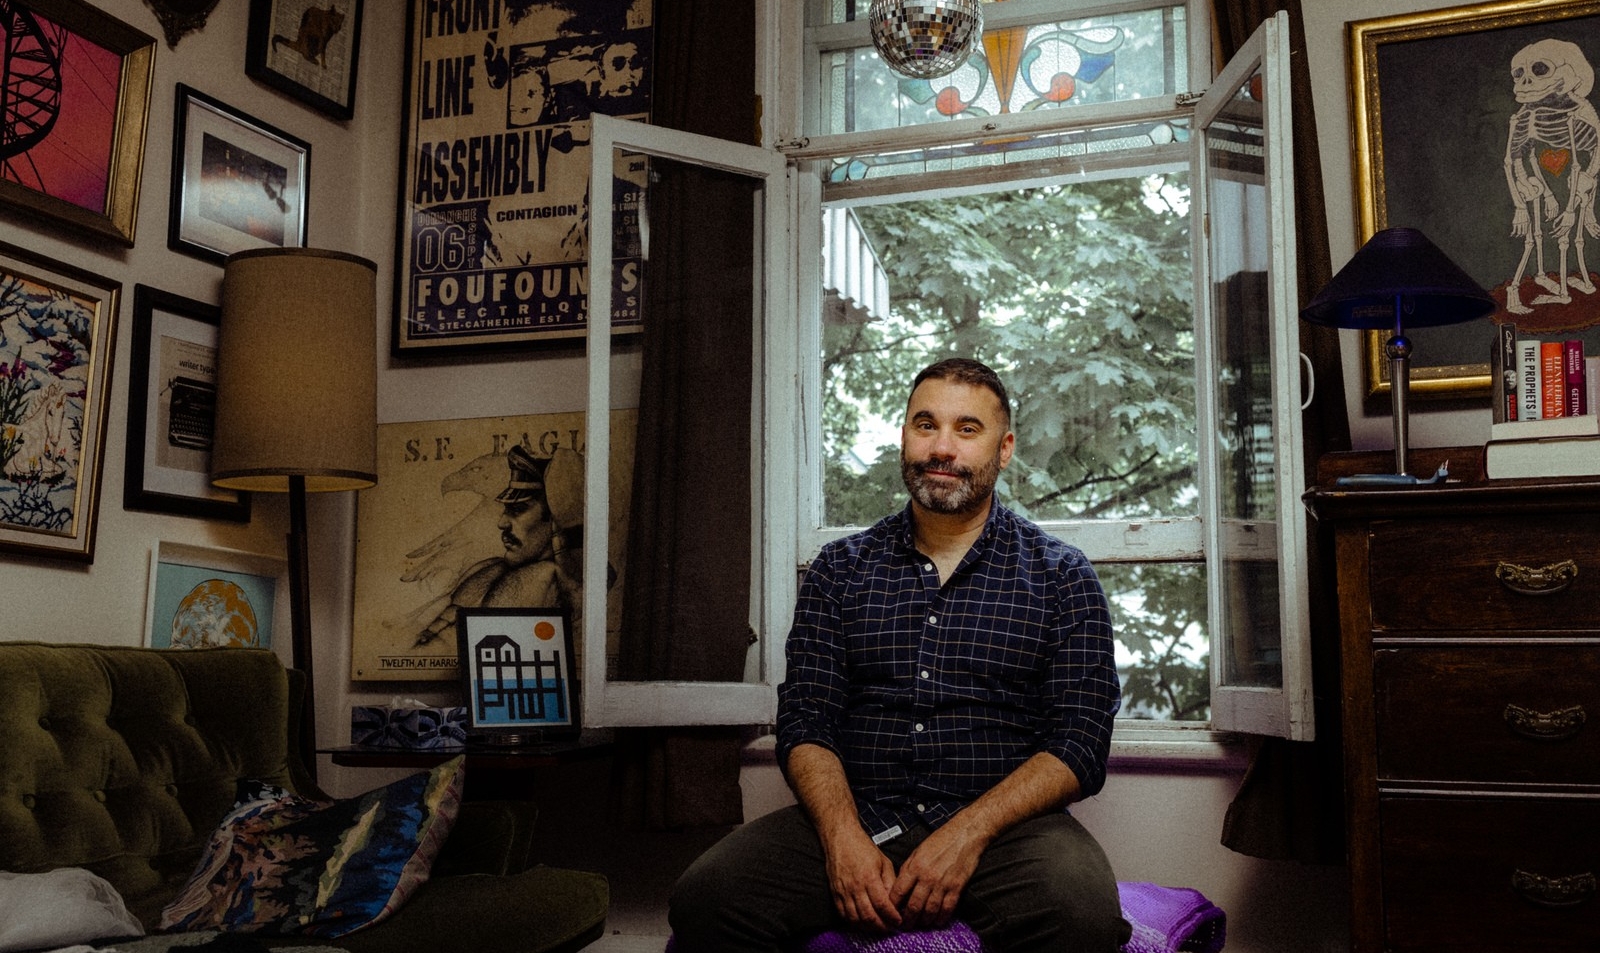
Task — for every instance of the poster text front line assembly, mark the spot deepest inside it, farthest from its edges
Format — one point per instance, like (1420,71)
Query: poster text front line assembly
(487,166)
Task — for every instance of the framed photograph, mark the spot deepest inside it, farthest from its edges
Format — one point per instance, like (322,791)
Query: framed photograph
(494,210)
(57,336)
(307,49)
(237,183)
(74,158)
(517,672)
(208,598)
(172,397)
(1493,159)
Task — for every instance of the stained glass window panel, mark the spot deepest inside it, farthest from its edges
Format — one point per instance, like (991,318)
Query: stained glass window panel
(1018,68)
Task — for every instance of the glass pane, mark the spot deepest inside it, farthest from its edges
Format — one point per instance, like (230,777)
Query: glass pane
(1051,65)
(684,612)
(1246,468)
(1079,294)
(1163,650)
(1129,138)
(1254,655)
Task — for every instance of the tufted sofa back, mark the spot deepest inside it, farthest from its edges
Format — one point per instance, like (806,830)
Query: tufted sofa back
(123,760)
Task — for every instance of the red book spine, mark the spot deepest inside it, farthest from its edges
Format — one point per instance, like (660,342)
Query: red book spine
(1577,385)
(1552,379)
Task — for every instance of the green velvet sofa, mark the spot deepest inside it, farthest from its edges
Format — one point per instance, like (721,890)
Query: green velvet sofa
(123,760)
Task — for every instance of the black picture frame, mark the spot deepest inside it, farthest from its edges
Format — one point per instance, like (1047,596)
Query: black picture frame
(213,147)
(307,49)
(514,641)
(172,410)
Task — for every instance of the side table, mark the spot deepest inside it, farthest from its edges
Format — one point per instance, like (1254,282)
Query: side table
(494,772)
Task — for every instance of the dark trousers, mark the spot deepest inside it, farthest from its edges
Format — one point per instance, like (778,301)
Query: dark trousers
(1045,885)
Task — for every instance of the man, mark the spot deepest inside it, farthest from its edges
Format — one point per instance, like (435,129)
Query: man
(950,690)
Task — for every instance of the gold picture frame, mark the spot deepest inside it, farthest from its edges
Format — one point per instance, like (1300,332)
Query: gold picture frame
(59,177)
(1430,150)
(58,333)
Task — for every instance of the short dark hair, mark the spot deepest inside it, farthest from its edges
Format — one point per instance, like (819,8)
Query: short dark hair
(965,370)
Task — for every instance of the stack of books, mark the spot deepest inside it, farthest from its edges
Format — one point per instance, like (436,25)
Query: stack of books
(1545,397)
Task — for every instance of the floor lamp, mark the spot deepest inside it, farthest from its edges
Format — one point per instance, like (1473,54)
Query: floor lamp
(297,401)
(1398,279)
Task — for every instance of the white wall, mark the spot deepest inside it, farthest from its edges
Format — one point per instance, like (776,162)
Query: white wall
(1328,60)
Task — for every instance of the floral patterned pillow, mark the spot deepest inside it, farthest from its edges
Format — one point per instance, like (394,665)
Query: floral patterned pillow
(280,863)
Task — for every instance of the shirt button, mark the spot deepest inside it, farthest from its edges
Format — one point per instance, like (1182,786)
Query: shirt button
(927,567)
(923,673)
(922,808)
(920,726)
(933,620)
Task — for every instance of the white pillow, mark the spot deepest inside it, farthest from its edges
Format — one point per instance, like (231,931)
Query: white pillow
(60,908)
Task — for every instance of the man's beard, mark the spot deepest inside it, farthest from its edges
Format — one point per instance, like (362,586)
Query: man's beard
(973,490)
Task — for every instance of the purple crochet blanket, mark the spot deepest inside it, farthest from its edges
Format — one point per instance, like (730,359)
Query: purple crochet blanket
(1164,919)
(1171,919)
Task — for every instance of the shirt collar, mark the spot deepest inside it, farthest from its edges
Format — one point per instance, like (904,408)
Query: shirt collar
(905,533)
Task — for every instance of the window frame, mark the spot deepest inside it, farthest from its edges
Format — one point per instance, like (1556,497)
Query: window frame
(791,387)
(1286,710)
(609,703)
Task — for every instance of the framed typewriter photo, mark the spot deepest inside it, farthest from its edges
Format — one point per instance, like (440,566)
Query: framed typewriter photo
(172,394)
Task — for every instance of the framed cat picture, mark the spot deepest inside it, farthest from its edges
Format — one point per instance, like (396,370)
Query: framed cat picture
(308,50)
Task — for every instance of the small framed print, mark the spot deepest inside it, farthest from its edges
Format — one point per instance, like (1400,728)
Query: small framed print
(210,598)
(172,394)
(518,673)
(237,183)
(307,49)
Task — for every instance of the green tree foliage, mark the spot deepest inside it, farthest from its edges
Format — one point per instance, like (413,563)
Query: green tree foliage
(1079,295)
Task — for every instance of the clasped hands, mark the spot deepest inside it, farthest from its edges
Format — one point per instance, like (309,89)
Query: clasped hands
(871,896)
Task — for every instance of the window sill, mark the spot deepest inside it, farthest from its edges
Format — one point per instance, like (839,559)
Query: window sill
(1171,747)
(1132,746)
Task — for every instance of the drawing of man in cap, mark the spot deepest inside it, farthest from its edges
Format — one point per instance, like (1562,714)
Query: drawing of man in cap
(541,565)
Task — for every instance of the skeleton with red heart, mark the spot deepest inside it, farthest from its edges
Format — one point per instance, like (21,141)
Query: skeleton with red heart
(1552,158)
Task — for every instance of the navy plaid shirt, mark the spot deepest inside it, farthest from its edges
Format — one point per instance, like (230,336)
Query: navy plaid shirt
(931,695)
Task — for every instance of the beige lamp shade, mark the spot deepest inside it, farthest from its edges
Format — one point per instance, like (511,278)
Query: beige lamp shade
(296,372)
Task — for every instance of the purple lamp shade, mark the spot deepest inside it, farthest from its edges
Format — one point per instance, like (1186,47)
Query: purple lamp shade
(1398,263)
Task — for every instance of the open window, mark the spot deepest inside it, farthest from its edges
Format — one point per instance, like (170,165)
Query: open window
(1249,387)
(629,160)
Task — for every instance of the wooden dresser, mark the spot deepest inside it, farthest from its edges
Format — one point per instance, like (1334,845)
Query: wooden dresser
(1470,695)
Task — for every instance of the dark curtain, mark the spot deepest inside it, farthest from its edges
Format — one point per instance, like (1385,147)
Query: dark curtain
(686,593)
(1290,805)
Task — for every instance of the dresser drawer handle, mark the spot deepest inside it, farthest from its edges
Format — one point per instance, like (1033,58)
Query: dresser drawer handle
(1545,725)
(1528,581)
(1554,891)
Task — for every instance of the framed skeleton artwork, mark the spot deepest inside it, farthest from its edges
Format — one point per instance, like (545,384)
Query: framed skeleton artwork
(1495,158)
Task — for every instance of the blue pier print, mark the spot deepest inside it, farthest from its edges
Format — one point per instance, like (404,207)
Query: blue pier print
(521,683)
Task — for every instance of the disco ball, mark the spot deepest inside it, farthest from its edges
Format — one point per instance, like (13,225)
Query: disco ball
(925,39)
